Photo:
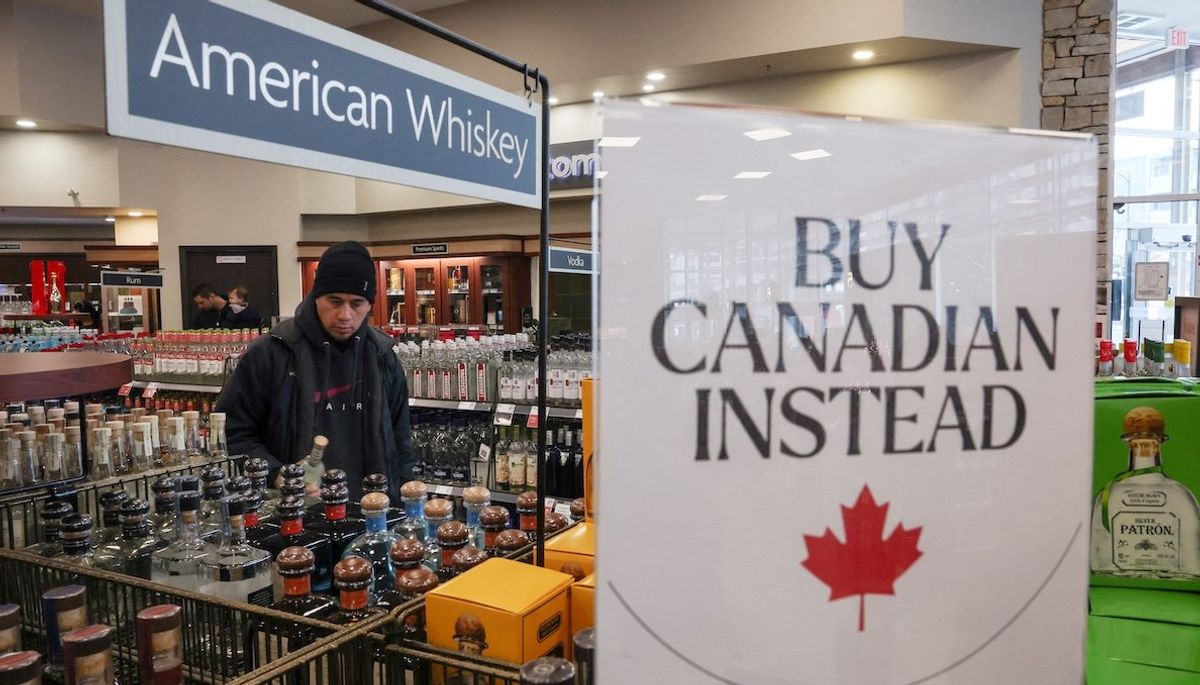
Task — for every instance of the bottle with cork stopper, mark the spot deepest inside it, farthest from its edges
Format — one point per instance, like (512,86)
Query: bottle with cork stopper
(493,520)
(160,645)
(406,555)
(354,578)
(314,468)
(510,542)
(217,446)
(452,536)
(374,546)
(437,512)
(475,499)
(412,494)
(377,482)
(296,565)
(411,625)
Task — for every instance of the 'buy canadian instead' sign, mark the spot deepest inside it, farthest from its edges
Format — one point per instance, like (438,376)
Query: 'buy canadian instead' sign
(846,400)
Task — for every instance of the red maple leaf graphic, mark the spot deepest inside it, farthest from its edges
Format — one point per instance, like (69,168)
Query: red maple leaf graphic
(865,563)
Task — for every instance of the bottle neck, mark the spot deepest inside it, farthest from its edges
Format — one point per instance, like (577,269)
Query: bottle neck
(376,521)
(335,512)
(135,529)
(235,531)
(292,525)
(1144,453)
(431,526)
(298,586)
(413,509)
(473,511)
(189,527)
(353,600)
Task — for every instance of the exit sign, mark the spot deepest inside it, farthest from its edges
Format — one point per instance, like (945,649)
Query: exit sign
(1177,39)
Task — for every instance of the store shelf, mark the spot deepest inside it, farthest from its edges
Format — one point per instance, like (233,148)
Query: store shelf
(42,375)
(178,387)
(455,491)
(551,412)
(449,404)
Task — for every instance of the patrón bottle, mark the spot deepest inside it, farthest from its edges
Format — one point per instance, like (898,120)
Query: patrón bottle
(1144,523)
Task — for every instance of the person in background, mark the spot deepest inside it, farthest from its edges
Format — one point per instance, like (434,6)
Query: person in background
(328,372)
(239,313)
(209,306)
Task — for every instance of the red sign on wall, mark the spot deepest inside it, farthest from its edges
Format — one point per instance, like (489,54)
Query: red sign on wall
(1177,39)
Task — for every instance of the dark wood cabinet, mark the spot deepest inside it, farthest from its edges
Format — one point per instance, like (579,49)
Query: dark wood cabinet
(453,291)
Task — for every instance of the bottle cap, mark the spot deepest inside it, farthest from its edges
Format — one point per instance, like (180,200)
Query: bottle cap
(237,484)
(55,510)
(293,486)
(416,581)
(578,508)
(334,477)
(375,482)
(296,561)
(511,540)
(438,508)
(134,509)
(555,522)
(352,573)
(413,489)
(186,482)
(406,551)
(256,467)
(1144,421)
(333,495)
(189,500)
(76,526)
(375,502)
(493,518)
(21,667)
(163,487)
(87,640)
(213,474)
(468,558)
(291,471)
(453,534)
(585,641)
(290,507)
(527,502)
(66,597)
(477,494)
(161,617)
(320,442)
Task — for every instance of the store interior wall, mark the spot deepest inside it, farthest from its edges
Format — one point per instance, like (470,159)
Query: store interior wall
(142,230)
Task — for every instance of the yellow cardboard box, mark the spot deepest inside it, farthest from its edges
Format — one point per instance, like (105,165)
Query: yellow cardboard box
(504,610)
(583,604)
(590,427)
(576,545)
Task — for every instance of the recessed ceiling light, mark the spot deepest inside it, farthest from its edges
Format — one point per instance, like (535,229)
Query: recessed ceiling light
(552,100)
(810,154)
(863,55)
(655,76)
(135,214)
(761,134)
(710,198)
(110,219)
(617,141)
(597,93)
(753,174)
(26,123)
(647,87)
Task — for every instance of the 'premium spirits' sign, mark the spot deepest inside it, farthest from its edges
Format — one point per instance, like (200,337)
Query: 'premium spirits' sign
(848,361)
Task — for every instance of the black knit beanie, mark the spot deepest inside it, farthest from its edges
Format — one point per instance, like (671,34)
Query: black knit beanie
(345,268)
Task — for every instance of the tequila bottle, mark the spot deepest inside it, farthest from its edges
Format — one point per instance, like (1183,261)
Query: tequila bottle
(1143,522)
(353,577)
(218,448)
(102,460)
(163,524)
(77,544)
(52,515)
(213,480)
(295,565)
(235,570)
(120,455)
(493,520)
(21,668)
(452,536)
(178,564)
(467,558)
(578,509)
(160,645)
(292,534)
(314,467)
(256,529)
(31,466)
(73,452)
(412,526)
(63,609)
(475,499)
(377,482)
(54,459)
(336,527)
(527,506)
(110,507)
(437,512)
(375,543)
(10,628)
(136,546)
(87,655)
(410,585)
(510,542)
(407,555)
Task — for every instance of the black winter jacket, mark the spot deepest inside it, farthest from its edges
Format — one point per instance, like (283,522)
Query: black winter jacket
(268,401)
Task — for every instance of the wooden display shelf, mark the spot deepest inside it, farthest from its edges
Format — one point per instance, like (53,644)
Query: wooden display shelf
(43,375)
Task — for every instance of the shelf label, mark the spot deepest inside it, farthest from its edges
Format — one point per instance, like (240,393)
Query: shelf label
(485,452)
(563,508)
(578,414)
(123,391)
(532,420)
(151,390)
(443,490)
(466,406)
(504,414)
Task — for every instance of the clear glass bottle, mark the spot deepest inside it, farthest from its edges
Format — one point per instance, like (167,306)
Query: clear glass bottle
(235,570)
(135,548)
(193,444)
(11,460)
(73,452)
(501,460)
(110,515)
(1143,522)
(163,523)
(355,579)
(120,457)
(77,544)
(52,514)
(63,609)
(31,466)
(462,449)
(178,564)
(475,499)
(377,482)
(141,447)
(314,466)
(213,488)
(437,512)
(177,445)
(374,545)
(54,457)
(160,645)
(87,656)
(413,494)
(218,448)
(516,462)
(295,565)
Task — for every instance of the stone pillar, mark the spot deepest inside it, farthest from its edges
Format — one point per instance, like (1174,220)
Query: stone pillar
(1077,48)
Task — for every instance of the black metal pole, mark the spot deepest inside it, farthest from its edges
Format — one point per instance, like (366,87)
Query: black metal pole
(543,260)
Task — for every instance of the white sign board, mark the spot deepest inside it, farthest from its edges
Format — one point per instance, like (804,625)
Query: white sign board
(1151,281)
(847,426)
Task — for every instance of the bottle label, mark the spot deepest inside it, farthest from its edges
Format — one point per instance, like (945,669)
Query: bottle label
(263,597)
(506,388)
(458,474)
(463,379)
(418,470)
(417,378)
(531,466)
(446,385)
(166,650)
(93,669)
(516,470)
(518,389)
(481,382)
(297,587)
(1145,540)
(502,470)
(554,384)
(10,640)
(571,385)
(431,384)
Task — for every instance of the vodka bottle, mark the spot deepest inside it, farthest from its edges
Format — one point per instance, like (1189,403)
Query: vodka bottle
(55,457)
(235,570)
(177,440)
(178,564)
(163,523)
(77,544)
(31,467)
(213,489)
(192,443)
(160,645)
(555,522)
(412,527)
(475,500)
(52,515)
(73,452)
(1183,359)
(374,545)
(257,470)
(354,578)
(134,549)
(256,529)
(217,446)
(1143,522)
(437,512)
(314,466)
(410,585)
(110,505)
(462,450)
(120,456)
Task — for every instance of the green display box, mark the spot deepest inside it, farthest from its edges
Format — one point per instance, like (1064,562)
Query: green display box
(1178,403)
(1109,672)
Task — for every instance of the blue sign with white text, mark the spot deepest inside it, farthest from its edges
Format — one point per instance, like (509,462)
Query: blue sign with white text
(257,80)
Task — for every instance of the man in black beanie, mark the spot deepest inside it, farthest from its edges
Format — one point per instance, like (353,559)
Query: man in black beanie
(325,372)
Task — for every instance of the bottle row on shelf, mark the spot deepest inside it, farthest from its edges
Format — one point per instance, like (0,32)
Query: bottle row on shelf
(200,357)
(37,336)
(1155,359)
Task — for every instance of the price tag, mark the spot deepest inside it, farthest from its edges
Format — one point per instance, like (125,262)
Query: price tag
(532,421)
(504,414)
(485,452)
(412,401)
(466,406)
(563,508)
(578,414)
(443,490)
(151,390)
(123,391)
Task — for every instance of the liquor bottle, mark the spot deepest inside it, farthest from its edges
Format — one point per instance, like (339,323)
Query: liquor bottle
(578,509)
(178,564)
(10,628)
(314,467)
(134,549)
(576,448)
(377,482)
(467,558)
(407,554)
(63,609)
(10,460)
(437,512)
(527,505)
(52,514)
(101,452)
(77,544)
(55,296)
(21,668)
(31,466)
(375,544)
(330,478)
(141,448)
(87,655)
(54,458)
(410,585)
(257,470)
(516,462)
(256,529)
(163,523)
(235,570)
(213,479)
(548,670)
(475,499)
(555,522)
(292,534)
(510,542)
(120,456)
(1143,522)
(493,520)
(177,445)
(218,448)
(585,656)
(550,464)
(339,529)
(355,578)
(452,536)
(412,526)
(160,645)
(295,565)
(192,442)
(110,508)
